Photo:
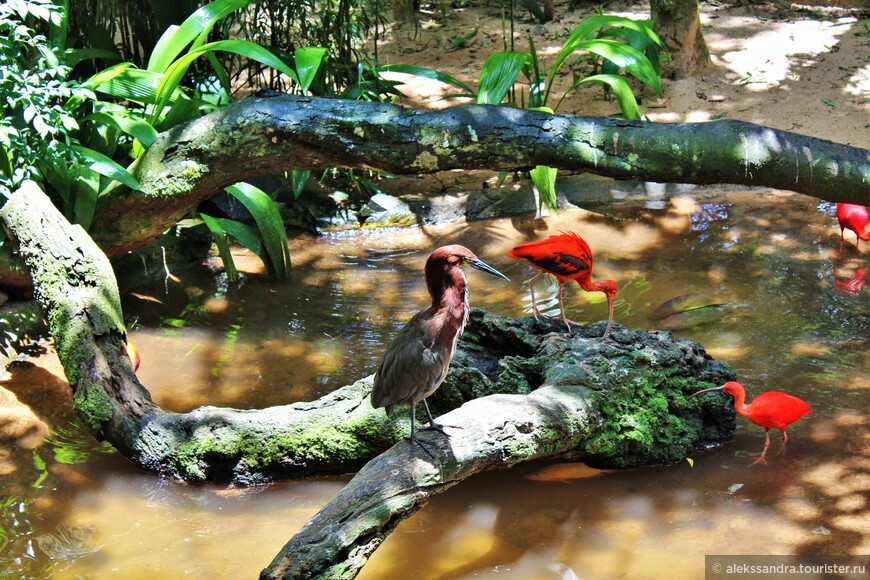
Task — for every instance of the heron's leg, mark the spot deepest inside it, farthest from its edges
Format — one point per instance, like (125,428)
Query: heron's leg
(432,423)
(413,439)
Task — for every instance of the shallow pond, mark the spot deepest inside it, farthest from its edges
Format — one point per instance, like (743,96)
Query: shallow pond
(71,508)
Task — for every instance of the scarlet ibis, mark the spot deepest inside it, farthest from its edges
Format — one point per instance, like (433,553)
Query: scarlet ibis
(133,355)
(567,257)
(417,359)
(771,409)
(853,286)
(853,217)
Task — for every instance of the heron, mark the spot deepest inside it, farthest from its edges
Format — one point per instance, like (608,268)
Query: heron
(416,361)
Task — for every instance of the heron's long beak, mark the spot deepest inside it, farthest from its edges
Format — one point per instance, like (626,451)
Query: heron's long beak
(478,265)
(706,391)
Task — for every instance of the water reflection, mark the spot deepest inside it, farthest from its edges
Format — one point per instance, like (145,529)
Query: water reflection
(256,343)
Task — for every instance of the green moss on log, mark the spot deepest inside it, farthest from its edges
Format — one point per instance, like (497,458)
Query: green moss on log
(93,406)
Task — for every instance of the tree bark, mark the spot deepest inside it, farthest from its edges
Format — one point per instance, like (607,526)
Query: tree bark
(261,135)
(494,432)
(633,385)
(678,24)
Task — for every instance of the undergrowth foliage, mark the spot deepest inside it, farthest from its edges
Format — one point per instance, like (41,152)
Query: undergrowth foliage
(36,131)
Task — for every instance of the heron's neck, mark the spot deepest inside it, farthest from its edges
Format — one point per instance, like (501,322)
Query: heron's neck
(450,298)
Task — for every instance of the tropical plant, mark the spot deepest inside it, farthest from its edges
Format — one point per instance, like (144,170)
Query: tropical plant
(612,43)
(155,99)
(39,131)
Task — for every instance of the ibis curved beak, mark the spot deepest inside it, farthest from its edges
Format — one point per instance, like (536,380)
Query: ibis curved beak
(609,316)
(478,265)
(706,391)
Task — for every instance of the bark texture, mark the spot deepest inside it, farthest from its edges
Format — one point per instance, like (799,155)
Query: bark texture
(616,403)
(262,135)
(632,386)
(678,24)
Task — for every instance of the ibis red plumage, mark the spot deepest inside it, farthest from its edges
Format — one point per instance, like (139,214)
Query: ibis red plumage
(771,409)
(567,257)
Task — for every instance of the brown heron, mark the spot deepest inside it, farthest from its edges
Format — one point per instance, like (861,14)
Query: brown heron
(417,359)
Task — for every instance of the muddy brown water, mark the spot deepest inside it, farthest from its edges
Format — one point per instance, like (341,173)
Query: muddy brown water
(71,508)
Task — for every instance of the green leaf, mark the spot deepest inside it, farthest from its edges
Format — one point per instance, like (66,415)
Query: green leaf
(621,90)
(425,72)
(127,123)
(308,60)
(498,75)
(76,55)
(585,29)
(87,187)
(220,239)
(196,26)
(125,83)
(271,227)
(544,179)
(176,71)
(632,60)
(106,166)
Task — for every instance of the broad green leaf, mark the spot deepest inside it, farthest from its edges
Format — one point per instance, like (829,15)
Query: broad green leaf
(308,60)
(425,72)
(127,123)
(220,239)
(583,31)
(76,55)
(131,84)
(177,38)
(621,90)
(176,71)
(624,56)
(298,179)
(269,223)
(106,166)
(544,179)
(246,235)
(87,188)
(498,75)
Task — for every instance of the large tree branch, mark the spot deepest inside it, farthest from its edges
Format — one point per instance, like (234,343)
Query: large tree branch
(635,382)
(262,135)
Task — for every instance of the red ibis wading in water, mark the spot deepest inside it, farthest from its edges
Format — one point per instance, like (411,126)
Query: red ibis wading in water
(417,359)
(567,257)
(771,409)
(853,217)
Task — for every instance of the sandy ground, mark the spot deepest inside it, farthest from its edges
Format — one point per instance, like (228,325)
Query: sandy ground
(802,69)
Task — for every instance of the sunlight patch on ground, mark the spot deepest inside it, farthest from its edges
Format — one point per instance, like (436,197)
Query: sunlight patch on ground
(760,59)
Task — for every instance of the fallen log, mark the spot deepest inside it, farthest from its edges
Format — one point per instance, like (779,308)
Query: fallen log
(637,381)
(619,402)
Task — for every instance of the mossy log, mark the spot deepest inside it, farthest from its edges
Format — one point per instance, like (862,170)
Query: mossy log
(613,403)
(619,402)
(632,385)
(272,134)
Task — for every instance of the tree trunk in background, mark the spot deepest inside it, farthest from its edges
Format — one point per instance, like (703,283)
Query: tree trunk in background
(678,24)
